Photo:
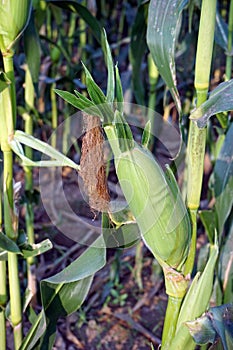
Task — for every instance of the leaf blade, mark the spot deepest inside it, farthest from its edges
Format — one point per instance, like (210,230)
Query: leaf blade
(223,180)
(220,100)
(163,28)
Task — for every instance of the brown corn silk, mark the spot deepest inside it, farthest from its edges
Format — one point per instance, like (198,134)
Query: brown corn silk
(92,165)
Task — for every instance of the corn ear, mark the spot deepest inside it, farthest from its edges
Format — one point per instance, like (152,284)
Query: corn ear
(159,210)
(14,15)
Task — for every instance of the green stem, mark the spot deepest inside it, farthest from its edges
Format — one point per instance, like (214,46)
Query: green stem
(66,133)
(197,137)
(53,97)
(71,32)
(15,300)
(153,79)
(230,39)
(9,69)
(29,217)
(2,329)
(83,43)
(120,31)
(7,118)
(171,317)
(192,250)
(3,288)
(138,265)
(223,117)
(13,272)
(3,291)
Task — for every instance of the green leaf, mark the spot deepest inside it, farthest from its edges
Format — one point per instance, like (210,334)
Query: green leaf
(119,91)
(83,98)
(30,250)
(3,255)
(119,227)
(122,216)
(95,93)
(43,147)
(37,330)
(4,81)
(32,49)
(63,294)
(22,247)
(146,136)
(221,32)
(78,102)
(196,302)
(216,322)
(138,48)
(223,180)
(75,6)
(201,330)
(220,100)
(98,97)
(8,245)
(209,220)
(124,133)
(226,268)
(111,78)
(163,29)
(14,17)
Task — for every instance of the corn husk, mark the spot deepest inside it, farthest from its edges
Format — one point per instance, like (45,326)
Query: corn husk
(157,206)
(14,15)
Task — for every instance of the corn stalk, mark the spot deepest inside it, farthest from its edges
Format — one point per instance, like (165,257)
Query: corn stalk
(153,197)
(7,108)
(3,289)
(14,17)
(197,137)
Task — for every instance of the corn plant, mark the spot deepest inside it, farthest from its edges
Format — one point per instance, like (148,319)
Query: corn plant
(18,15)
(15,243)
(167,223)
(152,195)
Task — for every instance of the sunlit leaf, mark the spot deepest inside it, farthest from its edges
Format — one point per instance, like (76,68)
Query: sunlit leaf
(98,97)
(111,78)
(30,141)
(75,101)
